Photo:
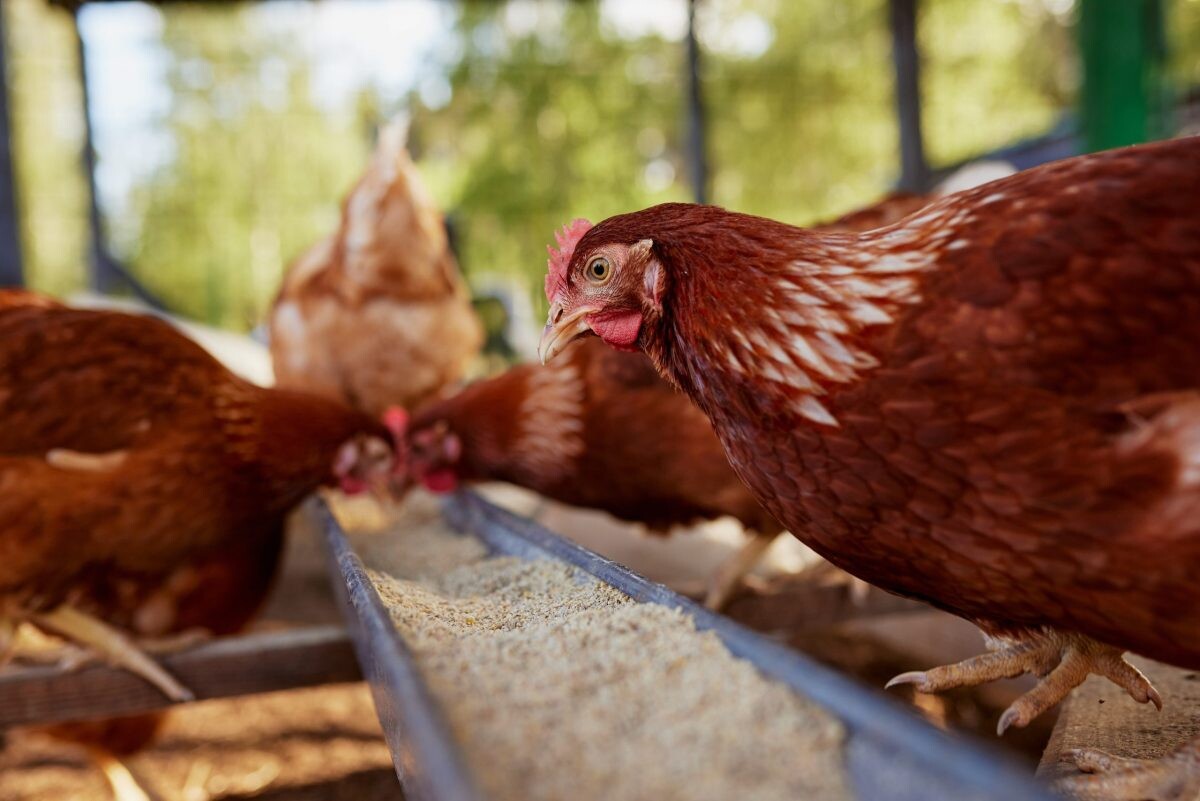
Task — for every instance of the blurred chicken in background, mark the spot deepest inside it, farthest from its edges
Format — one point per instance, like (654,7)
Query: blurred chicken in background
(600,430)
(377,314)
(143,488)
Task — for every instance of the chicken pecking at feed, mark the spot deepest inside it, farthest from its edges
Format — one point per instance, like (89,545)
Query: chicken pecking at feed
(598,429)
(992,405)
(603,430)
(376,315)
(143,486)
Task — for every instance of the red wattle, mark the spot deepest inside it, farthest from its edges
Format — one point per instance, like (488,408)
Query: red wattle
(440,481)
(352,485)
(619,329)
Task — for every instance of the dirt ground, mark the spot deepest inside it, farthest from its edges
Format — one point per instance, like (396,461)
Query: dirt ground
(303,745)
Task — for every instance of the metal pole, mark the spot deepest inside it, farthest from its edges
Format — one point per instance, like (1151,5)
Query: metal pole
(101,279)
(914,170)
(106,273)
(697,152)
(10,228)
(1125,96)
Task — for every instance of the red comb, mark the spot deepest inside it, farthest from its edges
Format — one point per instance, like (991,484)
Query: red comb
(396,421)
(560,257)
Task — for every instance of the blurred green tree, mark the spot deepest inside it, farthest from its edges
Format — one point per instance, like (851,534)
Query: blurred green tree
(537,111)
(47,125)
(549,118)
(553,115)
(257,171)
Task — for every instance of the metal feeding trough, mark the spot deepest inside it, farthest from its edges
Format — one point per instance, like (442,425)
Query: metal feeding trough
(890,752)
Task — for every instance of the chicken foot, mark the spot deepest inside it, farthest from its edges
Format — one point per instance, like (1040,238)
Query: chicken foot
(113,644)
(730,573)
(124,784)
(1175,777)
(1062,661)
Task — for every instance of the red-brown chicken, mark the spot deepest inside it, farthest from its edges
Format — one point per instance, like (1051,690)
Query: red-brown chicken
(597,429)
(603,430)
(127,453)
(143,488)
(377,314)
(992,405)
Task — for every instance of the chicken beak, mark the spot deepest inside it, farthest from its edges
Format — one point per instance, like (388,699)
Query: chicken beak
(561,330)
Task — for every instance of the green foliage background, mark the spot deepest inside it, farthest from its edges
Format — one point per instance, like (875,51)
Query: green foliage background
(543,123)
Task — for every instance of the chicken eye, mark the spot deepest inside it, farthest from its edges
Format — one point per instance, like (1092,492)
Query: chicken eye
(598,270)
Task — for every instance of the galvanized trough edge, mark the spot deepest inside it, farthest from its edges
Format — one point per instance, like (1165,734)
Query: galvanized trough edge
(427,757)
(881,729)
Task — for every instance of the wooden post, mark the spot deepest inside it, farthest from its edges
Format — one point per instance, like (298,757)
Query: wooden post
(697,152)
(1123,47)
(914,170)
(10,228)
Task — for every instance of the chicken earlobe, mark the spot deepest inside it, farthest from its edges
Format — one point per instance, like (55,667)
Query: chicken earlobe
(111,643)
(1062,661)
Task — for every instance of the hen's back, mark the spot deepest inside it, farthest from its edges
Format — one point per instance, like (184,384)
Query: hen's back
(92,381)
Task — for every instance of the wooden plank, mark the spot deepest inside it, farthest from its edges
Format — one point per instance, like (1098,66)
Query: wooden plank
(1098,714)
(221,668)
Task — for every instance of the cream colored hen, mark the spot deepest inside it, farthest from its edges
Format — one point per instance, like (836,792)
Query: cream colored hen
(377,314)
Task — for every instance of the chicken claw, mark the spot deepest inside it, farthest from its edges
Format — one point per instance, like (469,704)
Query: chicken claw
(8,639)
(1062,661)
(1175,777)
(111,643)
(729,575)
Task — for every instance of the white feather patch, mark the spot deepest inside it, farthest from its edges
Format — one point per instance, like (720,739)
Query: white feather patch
(812,409)
(550,423)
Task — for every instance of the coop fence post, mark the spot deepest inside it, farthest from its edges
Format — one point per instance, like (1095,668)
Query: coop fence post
(10,228)
(697,152)
(914,170)
(101,279)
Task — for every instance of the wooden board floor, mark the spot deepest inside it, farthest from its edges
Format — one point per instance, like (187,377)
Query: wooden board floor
(1098,714)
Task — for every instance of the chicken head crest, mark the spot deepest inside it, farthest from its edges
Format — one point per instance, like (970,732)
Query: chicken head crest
(597,287)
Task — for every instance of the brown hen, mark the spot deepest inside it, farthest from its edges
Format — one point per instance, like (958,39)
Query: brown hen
(377,315)
(602,430)
(992,405)
(143,486)
(598,429)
